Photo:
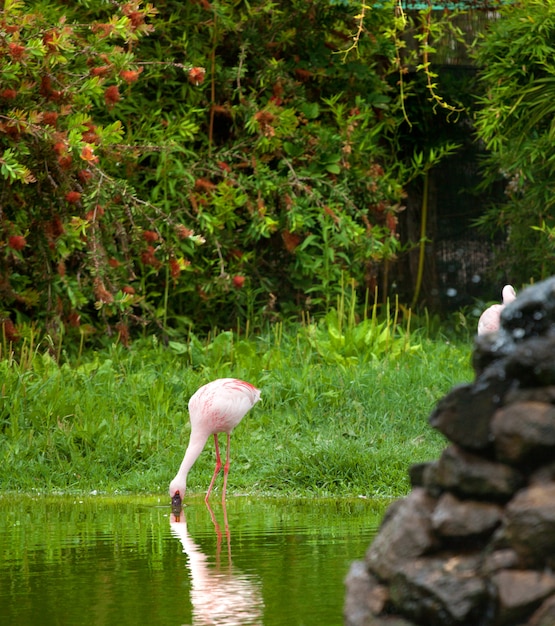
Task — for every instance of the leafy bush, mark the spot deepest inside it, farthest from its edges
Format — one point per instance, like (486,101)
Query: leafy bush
(516,61)
(194,164)
(70,230)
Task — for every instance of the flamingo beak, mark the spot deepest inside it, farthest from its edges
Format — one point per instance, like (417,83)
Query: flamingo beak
(177,503)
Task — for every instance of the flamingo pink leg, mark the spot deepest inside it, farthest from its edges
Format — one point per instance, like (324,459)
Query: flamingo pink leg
(226,467)
(217,468)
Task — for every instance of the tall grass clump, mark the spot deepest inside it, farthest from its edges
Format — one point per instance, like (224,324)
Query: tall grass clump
(344,408)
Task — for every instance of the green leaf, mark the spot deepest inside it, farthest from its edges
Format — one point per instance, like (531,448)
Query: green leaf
(311,110)
(333,168)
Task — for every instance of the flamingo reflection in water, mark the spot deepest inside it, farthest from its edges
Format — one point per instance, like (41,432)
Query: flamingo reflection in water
(220,594)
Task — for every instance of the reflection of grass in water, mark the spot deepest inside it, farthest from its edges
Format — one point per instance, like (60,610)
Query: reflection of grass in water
(114,560)
(57,523)
(334,420)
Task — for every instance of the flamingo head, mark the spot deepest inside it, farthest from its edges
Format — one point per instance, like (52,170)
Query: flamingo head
(177,492)
(508,294)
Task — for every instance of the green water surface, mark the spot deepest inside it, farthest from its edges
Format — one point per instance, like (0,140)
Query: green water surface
(126,561)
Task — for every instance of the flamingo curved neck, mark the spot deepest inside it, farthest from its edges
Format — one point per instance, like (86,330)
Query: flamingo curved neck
(195,447)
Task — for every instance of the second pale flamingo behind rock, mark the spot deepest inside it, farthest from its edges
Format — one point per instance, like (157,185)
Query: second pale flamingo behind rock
(490,319)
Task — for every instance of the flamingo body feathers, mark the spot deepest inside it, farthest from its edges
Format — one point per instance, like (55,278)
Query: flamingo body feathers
(220,405)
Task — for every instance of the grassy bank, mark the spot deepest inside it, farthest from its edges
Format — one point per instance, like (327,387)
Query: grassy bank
(344,411)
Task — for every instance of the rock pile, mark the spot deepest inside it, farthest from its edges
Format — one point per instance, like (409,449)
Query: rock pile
(473,544)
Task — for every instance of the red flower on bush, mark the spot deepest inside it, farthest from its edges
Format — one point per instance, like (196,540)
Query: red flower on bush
(129,76)
(94,214)
(391,222)
(150,236)
(50,38)
(84,175)
(60,147)
(290,240)
(87,154)
(74,319)
(8,94)
(123,330)
(148,257)
(223,166)
(55,95)
(8,330)
(17,242)
(204,186)
(90,136)
(196,75)
(112,95)
(101,293)
(175,268)
(65,161)
(238,281)
(50,118)
(101,70)
(16,50)
(45,86)
(73,197)
(183,232)
(135,17)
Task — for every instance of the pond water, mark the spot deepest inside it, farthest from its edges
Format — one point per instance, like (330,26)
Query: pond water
(126,561)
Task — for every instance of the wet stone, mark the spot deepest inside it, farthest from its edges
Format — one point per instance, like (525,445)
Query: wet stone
(530,525)
(417,473)
(519,592)
(542,475)
(464,416)
(439,591)
(470,475)
(498,560)
(545,615)
(534,394)
(524,433)
(365,597)
(465,518)
(532,314)
(532,363)
(406,534)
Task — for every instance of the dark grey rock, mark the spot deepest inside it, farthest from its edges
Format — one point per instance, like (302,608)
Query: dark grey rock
(534,394)
(438,591)
(520,592)
(454,518)
(404,535)
(545,615)
(532,314)
(530,525)
(497,560)
(464,415)
(365,597)
(524,433)
(416,474)
(532,364)
(470,475)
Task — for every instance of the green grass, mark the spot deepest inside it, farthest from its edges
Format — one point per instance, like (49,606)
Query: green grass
(344,411)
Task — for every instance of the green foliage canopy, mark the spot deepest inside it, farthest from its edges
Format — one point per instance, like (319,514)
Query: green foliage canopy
(194,163)
(515,121)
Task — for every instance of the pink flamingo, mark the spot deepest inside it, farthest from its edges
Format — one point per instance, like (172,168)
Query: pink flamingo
(217,407)
(490,319)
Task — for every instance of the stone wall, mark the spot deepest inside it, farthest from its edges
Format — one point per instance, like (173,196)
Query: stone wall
(473,544)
